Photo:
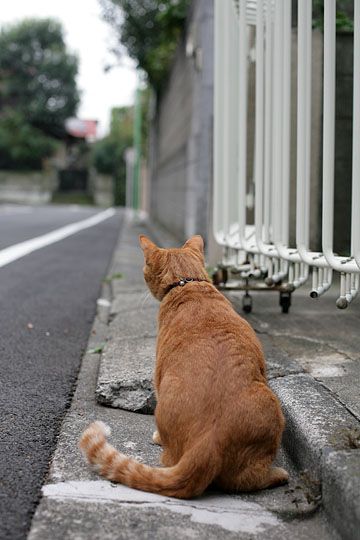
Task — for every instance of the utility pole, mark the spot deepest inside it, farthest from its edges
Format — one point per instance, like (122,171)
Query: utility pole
(137,149)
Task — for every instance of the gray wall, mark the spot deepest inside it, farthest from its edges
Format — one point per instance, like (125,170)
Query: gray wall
(27,187)
(181,133)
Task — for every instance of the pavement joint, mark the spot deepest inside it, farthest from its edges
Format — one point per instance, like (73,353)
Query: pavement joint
(337,398)
(314,341)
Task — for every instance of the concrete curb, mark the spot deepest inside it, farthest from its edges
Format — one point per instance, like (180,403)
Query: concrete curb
(127,386)
(341,490)
(128,356)
(315,420)
(320,437)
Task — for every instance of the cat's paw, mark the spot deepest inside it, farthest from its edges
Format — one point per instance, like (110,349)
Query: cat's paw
(279,476)
(156,438)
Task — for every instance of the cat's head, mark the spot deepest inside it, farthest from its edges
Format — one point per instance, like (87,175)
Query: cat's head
(163,267)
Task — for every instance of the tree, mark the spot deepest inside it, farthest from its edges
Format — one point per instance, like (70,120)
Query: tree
(108,153)
(37,84)
(22,146)
(149,30)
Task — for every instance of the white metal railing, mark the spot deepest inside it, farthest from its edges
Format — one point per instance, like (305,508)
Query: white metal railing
(264,243)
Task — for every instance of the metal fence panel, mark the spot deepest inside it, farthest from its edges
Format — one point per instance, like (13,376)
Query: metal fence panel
(260,31)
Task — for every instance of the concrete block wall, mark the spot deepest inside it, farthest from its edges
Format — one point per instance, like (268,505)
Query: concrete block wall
(102,189)
(27,187)
(181,134)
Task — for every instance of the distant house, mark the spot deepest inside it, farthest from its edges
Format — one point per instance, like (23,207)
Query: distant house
(82,129)
(72,160)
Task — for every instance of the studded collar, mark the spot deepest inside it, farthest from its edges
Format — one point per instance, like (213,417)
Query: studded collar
(181,283)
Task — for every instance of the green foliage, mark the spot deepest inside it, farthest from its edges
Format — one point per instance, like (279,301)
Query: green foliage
(108,153)
(96,350)
(121,123)
(37,74)
(22,146)
(150,30)
(344,13)
(72,197)
(145,106)
(37,80)
(112,277)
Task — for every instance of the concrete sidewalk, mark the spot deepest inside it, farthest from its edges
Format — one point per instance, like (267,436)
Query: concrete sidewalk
(322,425)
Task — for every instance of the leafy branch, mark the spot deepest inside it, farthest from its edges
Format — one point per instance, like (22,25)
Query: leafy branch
(149,30)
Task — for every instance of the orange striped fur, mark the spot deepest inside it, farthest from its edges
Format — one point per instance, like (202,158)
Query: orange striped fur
(218,421)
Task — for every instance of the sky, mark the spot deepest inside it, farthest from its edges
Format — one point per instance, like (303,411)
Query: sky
(90,38)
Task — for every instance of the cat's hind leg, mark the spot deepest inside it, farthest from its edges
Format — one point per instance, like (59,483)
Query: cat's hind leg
(276,477)
(167,459)
(256,477)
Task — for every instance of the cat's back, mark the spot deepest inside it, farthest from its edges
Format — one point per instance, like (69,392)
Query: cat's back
(199,312)
(202,338)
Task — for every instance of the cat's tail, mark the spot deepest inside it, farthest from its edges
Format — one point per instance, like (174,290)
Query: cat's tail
(188,478)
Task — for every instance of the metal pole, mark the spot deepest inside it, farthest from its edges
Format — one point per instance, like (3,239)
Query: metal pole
(137,148)
(242,119)
(355,215)
(329,125)
(259,119)
(218,121)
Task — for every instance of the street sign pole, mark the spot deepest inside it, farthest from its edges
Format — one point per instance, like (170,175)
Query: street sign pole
(137,148)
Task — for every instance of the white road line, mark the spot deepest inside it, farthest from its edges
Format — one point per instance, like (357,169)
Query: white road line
(12,253)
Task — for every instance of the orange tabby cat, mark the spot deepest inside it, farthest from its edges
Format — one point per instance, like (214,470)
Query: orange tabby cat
(218,421)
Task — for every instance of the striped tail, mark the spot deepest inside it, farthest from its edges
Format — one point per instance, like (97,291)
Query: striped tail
(188,478)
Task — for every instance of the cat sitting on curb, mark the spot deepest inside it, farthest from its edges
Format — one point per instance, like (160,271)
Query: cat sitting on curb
(217,420)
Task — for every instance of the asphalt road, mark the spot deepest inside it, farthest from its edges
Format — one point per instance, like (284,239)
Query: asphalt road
(48,302)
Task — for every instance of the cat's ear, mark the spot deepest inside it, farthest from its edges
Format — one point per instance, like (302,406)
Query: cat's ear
(195,242)
(147,245)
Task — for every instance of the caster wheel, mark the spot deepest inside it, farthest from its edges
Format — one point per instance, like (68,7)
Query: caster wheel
(285,301)
(220,277)
(247,303)
(216,278)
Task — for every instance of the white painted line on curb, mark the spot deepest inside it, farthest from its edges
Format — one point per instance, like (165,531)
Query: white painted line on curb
(103,302)
(12,253)
(229,512)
